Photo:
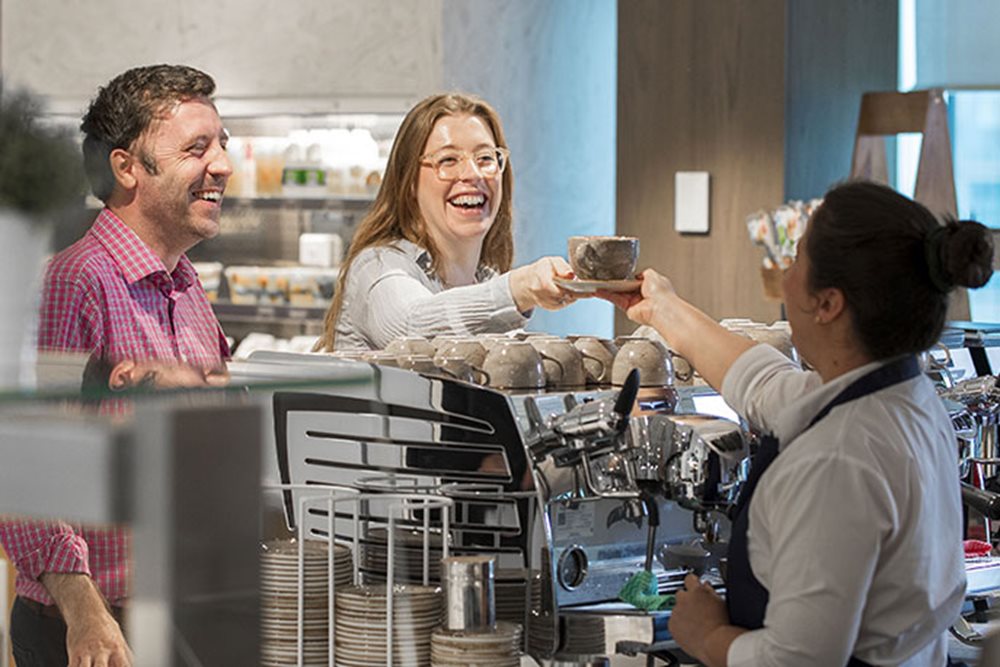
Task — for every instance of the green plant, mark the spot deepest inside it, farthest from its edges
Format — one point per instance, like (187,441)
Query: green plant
(41,168)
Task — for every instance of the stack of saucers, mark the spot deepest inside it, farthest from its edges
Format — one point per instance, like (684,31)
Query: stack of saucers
(584,635)
(279,585)
(511,591)
(541,625)
(361,625)
(408,556)
(483,648)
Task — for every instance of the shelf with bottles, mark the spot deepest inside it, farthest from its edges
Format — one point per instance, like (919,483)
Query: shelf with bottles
(300,160)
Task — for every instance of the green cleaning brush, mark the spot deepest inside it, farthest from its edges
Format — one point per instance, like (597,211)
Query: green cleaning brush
(642,590)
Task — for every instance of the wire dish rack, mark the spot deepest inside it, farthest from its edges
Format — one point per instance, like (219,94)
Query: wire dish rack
(402,616)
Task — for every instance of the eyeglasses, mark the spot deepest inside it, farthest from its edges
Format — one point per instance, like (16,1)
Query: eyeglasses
(447,162)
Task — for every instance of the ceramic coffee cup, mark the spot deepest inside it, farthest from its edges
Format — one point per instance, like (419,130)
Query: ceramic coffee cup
(488,340)
(514,365)
(562,362)
(651,358)
(458,368)
(683,371)
(470,349)
(598,357)
(381,358)
(420,363)
(444,340)
(411,345)
(603,257)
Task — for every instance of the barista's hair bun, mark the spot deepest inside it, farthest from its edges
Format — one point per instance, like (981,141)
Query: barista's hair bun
(967,253)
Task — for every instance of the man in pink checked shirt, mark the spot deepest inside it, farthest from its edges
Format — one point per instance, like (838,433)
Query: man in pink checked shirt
(155,152)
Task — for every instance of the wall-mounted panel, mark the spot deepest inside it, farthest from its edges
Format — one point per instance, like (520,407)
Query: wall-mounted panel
(701,88)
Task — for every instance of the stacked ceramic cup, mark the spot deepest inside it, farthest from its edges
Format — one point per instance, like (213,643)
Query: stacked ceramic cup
(279,604)
(471,636)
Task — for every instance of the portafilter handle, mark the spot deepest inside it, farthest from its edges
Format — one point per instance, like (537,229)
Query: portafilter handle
(588,427)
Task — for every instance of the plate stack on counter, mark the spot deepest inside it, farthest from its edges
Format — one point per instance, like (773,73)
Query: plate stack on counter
(408,548)
(361,627)
(279,584)
(459,648)
(511,595)
(471,634)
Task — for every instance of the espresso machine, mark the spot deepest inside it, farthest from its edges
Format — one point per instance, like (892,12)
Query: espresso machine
(572,492)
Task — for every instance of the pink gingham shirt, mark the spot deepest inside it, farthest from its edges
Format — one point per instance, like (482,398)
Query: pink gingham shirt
(110,294)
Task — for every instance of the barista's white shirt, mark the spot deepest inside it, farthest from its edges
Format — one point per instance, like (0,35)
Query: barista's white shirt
(855,529)
(391,291)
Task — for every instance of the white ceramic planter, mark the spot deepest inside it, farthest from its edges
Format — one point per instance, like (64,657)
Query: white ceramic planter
(23,246)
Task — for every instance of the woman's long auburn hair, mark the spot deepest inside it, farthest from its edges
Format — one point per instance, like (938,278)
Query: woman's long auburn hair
(395,213)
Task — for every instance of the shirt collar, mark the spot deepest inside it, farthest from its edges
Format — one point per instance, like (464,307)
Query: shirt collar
(796,416)
(135,259)
(423,259)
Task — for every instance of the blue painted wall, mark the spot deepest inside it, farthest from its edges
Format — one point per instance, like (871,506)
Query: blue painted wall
(549,68)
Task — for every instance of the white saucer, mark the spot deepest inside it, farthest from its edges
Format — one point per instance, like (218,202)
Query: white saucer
(591,286)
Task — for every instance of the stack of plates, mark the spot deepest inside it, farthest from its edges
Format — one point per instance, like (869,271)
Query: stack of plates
(511,594)
(541,626)
(584,635)
(361,625)
(279,587)
(463,648)
(408,548)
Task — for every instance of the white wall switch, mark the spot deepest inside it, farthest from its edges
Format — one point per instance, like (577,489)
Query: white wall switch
(691,202)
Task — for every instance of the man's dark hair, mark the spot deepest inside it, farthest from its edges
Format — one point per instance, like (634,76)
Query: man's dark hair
(126,107)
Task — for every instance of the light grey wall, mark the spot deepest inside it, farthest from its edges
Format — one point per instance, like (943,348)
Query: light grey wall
(549,68)
(326,50)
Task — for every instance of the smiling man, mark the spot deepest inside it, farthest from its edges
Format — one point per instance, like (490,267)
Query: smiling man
(155,151)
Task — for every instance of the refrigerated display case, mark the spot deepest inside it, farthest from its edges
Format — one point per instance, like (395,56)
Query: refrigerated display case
(311,174)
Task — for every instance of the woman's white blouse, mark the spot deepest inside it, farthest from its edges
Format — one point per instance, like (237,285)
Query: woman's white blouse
(856,528)
(392,292)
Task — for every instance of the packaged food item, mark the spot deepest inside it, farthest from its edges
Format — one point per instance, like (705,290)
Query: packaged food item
(210,275)
(246,284)
(324,250)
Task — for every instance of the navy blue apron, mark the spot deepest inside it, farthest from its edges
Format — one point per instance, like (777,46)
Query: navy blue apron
(746,597)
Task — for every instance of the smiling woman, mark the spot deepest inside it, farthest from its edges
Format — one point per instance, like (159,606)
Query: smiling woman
(434,254)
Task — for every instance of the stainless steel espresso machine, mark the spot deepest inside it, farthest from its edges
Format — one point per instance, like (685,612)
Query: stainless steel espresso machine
(573,493)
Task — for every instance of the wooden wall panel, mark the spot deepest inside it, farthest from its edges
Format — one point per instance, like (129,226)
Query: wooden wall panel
(701,88)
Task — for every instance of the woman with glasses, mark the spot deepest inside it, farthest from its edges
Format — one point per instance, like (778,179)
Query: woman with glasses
(433,256)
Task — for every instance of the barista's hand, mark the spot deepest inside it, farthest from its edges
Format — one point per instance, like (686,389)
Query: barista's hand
(93,637)
(642,305)
(534,284)
(699,623)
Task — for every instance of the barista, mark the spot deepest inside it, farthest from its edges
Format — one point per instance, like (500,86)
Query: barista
(433,256)
(846,545)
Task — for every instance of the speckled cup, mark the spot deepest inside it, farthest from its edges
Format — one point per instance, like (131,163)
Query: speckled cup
(562,362)
(603,257)
(514,365)
(598,357)
(411,345)
(649,356)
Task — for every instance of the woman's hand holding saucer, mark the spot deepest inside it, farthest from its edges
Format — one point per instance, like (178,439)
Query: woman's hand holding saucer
(534,284)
